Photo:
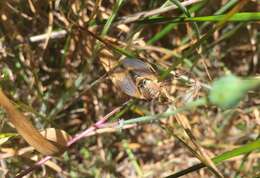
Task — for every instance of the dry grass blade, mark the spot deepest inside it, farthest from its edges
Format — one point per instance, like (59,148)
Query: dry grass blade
(67,64)
(197,149)
(26,129)
(56,136)
(142,15)
(49,28)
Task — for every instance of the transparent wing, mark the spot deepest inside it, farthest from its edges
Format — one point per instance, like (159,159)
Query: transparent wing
(126,84)
(138,67)
(119,75)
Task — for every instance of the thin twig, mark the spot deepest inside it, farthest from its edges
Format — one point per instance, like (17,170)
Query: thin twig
(190,80)
(53,35)
(121,20)
(145,14)
(98,124)
(83,134)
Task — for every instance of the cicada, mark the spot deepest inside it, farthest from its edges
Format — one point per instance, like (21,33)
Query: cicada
(144,78)
(133,76)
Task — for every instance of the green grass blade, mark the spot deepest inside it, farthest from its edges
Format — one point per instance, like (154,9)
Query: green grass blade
(238,17)
(112,17)
(253,146)
(168,28)
(226,7)
(188,14)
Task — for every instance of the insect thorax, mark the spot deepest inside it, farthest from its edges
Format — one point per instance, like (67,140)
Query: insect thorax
(149,89)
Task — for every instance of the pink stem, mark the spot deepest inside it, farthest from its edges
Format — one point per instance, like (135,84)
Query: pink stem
(79,136)
(98,124)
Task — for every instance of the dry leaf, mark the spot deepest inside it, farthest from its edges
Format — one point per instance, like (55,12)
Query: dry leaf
(26,129)
(56,135)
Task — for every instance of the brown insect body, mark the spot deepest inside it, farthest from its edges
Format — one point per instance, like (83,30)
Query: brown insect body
(149,89)
(133,76)
(144,76)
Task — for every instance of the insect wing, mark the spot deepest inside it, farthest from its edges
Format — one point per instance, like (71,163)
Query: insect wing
(126,84)
(138,67)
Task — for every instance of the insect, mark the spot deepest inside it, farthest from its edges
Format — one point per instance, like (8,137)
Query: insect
(133,76)
(144,77)
(137,80)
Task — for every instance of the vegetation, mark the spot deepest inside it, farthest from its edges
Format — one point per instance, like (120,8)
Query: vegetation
(130,88)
